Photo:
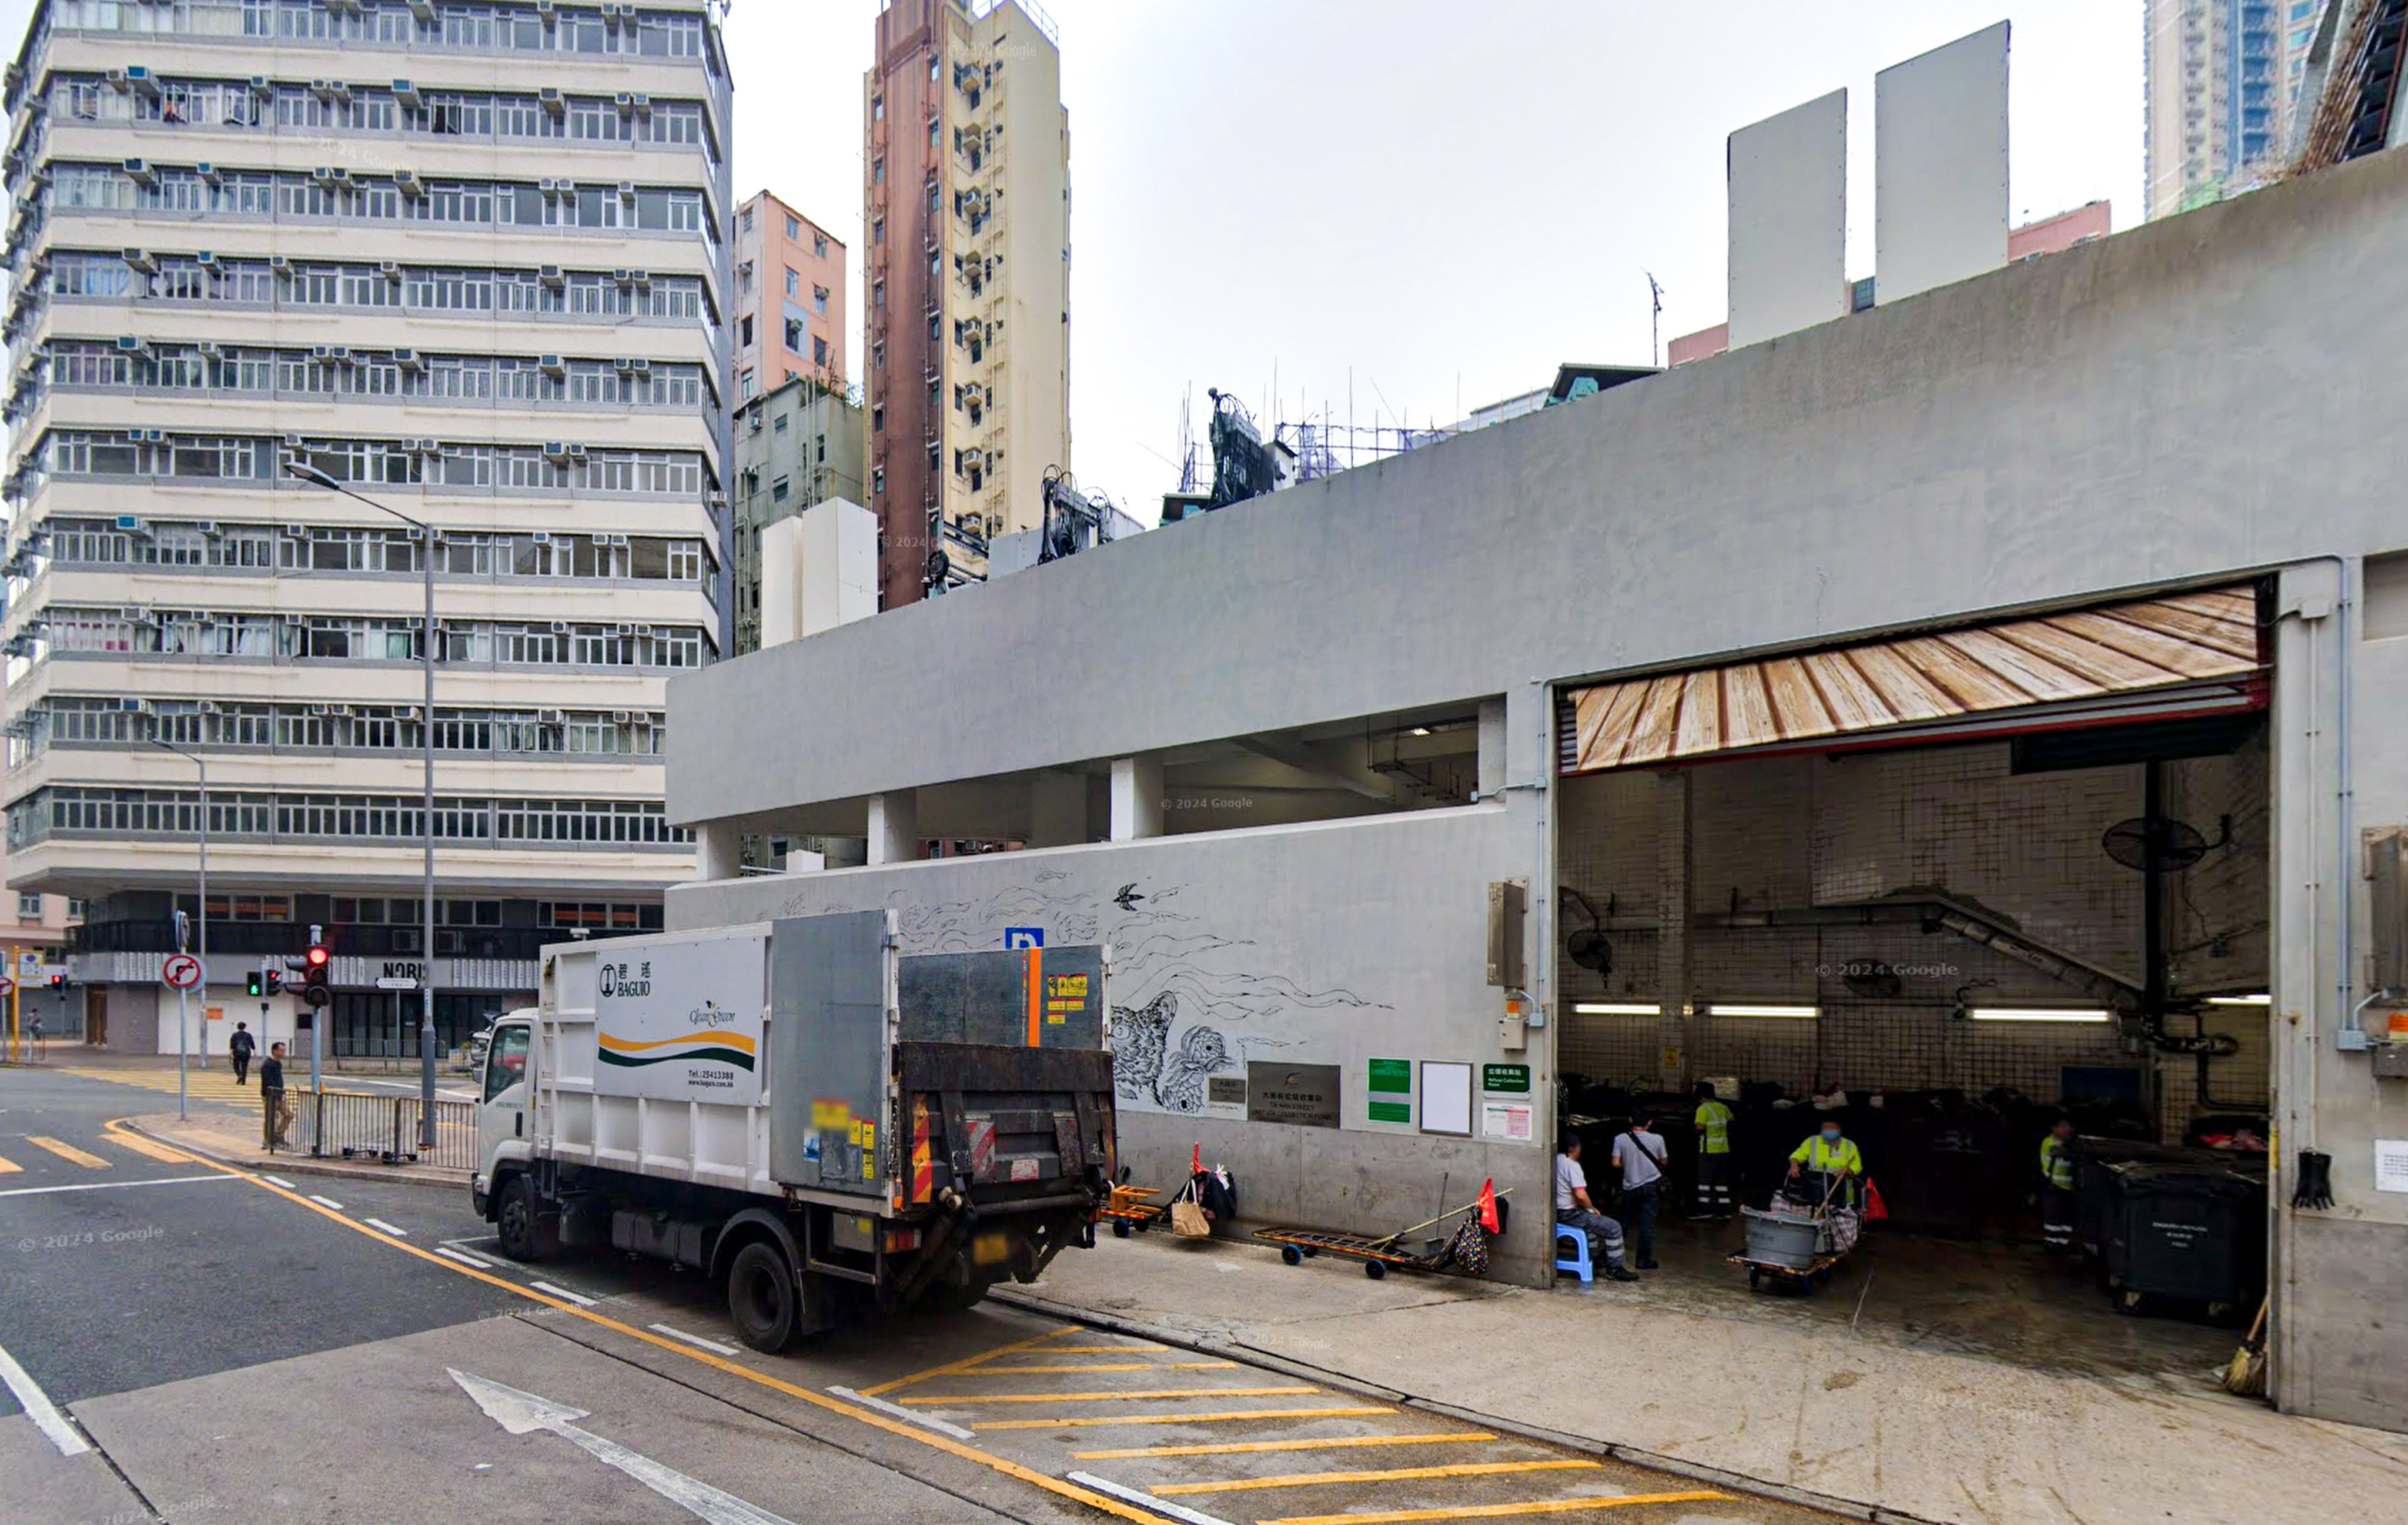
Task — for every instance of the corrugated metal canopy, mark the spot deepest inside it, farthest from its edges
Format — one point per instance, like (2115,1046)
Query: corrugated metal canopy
(2190,654)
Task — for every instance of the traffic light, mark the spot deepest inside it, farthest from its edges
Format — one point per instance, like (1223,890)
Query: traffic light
(256,985)
(314,976)
(275,979)
(58,980)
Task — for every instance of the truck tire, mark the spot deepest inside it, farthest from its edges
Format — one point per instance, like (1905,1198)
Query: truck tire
(528,1231)
(762,1298)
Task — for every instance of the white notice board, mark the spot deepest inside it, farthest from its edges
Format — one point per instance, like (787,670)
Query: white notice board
(1446,1098)
(2391,1164)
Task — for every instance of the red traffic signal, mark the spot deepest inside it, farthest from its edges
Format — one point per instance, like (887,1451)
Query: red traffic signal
(317,955)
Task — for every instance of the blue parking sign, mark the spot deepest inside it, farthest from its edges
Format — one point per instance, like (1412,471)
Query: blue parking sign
(1024,937)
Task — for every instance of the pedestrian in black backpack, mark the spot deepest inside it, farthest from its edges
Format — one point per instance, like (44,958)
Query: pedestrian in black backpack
(239,1048)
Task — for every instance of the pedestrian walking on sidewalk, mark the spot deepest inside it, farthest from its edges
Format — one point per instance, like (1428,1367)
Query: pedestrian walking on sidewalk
(40,1051)
(1713,1120)
(1639,1155)
(276,1114)
(239,1048)
(1573,1210)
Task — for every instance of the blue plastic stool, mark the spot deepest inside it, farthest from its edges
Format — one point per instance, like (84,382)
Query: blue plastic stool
(1577,1261)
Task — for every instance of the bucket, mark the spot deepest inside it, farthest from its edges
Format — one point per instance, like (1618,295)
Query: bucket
(1777,1239)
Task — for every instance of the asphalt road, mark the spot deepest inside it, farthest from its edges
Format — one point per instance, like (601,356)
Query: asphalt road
(198,1344)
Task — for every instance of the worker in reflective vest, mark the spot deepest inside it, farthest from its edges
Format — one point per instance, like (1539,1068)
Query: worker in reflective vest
(1832,1156)
(2057,1186)
(1713,1122)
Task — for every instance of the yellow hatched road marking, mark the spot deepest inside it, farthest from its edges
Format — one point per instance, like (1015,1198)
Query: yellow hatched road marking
(1119,1366)
(155,1151)
(1386,1474)
(1109,1394)
(877,1421)
(969,1363)
(8,1165)
(1500,1511)
(1131,1348)
(1237,1448)
(67,1152)
(1233,1416)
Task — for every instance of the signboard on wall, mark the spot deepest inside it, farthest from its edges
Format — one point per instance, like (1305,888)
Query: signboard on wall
(681,1021)
(1506,1120)
(1505,1079)
(1303,1094)
(1224,1096)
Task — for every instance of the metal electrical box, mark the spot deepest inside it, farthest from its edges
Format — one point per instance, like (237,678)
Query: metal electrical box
(1507,901)
(2386,873)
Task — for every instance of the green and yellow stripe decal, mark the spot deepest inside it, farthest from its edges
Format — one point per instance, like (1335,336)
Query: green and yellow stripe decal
(722,1045)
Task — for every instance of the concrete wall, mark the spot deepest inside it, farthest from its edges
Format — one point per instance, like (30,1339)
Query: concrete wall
(1332,944)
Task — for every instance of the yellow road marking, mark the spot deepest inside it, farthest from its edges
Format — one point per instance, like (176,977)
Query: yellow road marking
(146,1146)
(67,1152)
(1237,1448)
(8,1165)
(1117,1366)
(1178,1418)
(971,1363)
(1386,1474)
(878,1421)
(1131,1347)
(1500,1511)
(1109,1395)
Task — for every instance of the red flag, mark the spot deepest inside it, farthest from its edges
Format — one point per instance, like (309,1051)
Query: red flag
(1874,1210)
(1195,1162)
(1488,1204)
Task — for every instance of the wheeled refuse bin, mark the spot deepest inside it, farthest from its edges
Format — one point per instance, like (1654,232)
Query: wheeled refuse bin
(2186,1235)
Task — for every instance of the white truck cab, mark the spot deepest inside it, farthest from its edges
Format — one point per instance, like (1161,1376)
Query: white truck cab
(505,1102)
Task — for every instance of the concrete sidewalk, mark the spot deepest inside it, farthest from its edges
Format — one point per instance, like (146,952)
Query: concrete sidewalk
(233,1139)
(1798,1406)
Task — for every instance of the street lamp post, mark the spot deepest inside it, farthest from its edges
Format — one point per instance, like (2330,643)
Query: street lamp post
(182,1024)
(304,471)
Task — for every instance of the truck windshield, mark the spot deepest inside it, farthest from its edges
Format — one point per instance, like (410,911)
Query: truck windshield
(506,1062)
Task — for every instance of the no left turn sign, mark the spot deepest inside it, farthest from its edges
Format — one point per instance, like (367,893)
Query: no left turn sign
(181,971)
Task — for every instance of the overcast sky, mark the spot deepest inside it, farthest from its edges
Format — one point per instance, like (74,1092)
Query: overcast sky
(1448,198)
(1444,199)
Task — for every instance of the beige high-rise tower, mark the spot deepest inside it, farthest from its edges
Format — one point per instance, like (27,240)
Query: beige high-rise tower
(2223,79)
(967,212)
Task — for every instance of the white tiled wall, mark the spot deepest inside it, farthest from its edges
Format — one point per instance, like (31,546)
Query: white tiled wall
(1789,833)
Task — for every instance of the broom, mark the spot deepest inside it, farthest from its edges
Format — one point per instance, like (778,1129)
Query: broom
(2246,1373)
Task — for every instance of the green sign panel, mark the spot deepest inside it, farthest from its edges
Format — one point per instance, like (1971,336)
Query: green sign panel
(1503,1078)
(1392,1111)
(1393,1075)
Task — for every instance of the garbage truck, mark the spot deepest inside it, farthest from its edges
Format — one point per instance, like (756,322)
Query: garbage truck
(794,1108)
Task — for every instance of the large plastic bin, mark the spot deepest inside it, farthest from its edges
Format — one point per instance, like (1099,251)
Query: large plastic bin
(1783,1240)
(2187,1233)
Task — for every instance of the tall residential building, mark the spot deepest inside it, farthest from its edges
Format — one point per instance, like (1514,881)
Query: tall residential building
(966,199)
(795,447)
(789,299)
(2223,79)
(470,262)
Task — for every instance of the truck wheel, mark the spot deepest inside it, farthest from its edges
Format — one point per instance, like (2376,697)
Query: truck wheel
(761,1297)
(527,1231)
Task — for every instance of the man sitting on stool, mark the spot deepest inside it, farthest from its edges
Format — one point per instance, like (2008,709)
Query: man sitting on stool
(1573,1210)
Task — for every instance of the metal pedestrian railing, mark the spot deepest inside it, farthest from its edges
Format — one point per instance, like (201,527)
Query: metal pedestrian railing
(345,1124)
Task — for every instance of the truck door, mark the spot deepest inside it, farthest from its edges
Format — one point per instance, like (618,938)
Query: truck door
(506,1099)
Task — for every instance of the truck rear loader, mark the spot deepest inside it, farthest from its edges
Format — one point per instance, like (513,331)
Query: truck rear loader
(793,1107)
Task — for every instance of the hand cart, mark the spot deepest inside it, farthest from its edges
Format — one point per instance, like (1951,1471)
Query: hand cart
(1793,1248)
(1431,1254)
(1132,1210)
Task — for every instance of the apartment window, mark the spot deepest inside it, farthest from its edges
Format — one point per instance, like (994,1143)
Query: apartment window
(778,491)
(793,281)
(878,296)
(877,421)
(77,910)
(819,245)
(794,226)
(819,352)
(878,230)
(878,171)
(29,907)
(820,300)
(746,384)
(794,335)
(877,479)
(744,220)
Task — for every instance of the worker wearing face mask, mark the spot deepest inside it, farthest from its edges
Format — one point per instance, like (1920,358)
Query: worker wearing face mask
(1833,1155)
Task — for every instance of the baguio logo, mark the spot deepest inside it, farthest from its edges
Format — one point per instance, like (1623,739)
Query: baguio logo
(710,1040)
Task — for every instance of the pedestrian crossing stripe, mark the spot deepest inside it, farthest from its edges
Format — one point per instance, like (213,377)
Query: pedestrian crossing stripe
(67,1152)
(8,1165)
(156,1151)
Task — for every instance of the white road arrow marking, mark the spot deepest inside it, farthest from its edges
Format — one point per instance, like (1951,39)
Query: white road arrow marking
(524,1414)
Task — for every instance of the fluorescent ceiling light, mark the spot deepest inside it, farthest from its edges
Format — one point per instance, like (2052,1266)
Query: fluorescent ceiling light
(1615,1008)
(1722,1008)
(2041,1014)
(1421,730)
(2241,1000)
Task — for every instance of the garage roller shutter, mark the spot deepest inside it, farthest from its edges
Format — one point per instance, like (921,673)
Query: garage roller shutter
(2193,653)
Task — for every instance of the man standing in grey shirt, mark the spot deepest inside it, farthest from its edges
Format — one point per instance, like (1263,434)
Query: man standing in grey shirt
(1639,1155)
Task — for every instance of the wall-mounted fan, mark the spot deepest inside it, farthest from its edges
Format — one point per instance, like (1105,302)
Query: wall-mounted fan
(1588,947)
(2160,843)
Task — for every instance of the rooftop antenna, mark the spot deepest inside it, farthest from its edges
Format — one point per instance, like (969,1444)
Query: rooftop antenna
(1655,321)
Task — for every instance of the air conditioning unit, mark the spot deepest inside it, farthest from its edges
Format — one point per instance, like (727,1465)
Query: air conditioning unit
(119,82)
(552,276)
(292,441)
(324,708)
(552,717)
(407,183)
(129,524)
(422,9)
(611,539)
(329,174)
(642,629)
(715,500)
(390,270)
(137,614)
(576,452)
(541,536)
(406,94)
(551,188)
(210,173)
(281,264)
(626,100)
(622,716)
(206,260)
(640,366)
(211,528)
(624,363)
(560,627)
(427,447)
(643,103)
(408,360)
(640,280)
(555,450)
(139,259)
(323,89)
(211,350)
(553,365)
(626,189)
(147,437)
(262,85)
(132,344)
(207,706)
(138,707)
(623,278)
(623,627)
(550,98)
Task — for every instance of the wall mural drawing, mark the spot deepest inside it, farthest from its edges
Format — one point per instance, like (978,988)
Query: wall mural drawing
(1189,1001)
